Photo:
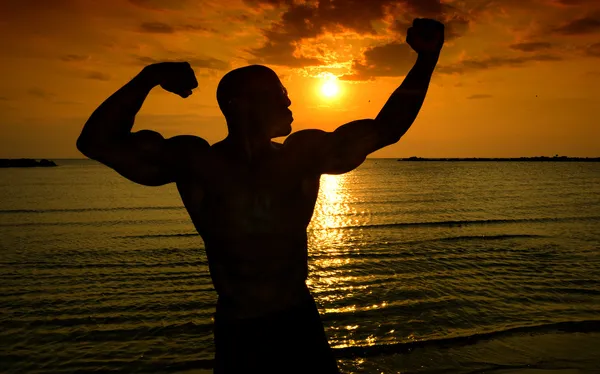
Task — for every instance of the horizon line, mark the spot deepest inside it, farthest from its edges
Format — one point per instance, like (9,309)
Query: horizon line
(407,158)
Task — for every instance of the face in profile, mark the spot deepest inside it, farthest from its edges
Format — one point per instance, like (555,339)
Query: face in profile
(254,98)
(269,108)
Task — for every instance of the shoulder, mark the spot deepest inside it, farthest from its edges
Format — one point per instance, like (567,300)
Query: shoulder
(187,142)
(303,150)
(187,147)
(305,139)
(186,155)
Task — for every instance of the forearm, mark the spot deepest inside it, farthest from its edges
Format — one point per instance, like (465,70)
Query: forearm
(114,118)
(403,106)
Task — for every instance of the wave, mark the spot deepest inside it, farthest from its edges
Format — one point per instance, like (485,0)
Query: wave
(407,347)
(460,223)
(149,236)
(85,210)
(88,266)
(204,329)
(476,237)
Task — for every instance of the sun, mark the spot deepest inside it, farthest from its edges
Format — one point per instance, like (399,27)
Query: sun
(330,88)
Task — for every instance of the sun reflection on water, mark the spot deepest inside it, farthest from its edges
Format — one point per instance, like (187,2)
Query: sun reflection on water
(337,279)
(327,239)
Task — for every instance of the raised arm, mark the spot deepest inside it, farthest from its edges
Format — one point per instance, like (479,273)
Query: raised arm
(144,157)
(347,147)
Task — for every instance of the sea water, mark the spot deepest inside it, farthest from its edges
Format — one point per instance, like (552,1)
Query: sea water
(417,267)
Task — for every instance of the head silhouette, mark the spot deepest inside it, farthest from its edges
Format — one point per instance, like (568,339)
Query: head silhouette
(254,102)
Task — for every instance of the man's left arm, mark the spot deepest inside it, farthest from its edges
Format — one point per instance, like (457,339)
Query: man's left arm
(347,147)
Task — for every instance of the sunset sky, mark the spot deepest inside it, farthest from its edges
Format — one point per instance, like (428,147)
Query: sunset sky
(515,78)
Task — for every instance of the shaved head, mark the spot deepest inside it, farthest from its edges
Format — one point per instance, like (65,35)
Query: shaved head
(254,101)
(242,82)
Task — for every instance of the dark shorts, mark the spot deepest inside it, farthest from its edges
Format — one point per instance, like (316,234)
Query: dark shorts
(290,341)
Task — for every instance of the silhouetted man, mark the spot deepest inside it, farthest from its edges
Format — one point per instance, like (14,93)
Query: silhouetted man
(251,199)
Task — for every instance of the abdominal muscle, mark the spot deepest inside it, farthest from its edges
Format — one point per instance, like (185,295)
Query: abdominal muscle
(257,276)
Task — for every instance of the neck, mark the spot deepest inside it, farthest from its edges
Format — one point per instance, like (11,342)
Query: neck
(250,148)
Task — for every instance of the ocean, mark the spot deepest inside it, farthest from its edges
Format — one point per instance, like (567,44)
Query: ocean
(417,267)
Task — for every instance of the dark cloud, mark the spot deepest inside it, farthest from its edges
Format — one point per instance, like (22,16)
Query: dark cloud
(97,75)
(281,54)
(593,50)
(74,57)
(189,27)
(469,65)
(586,25)
(455,26)
(426,8)
(313,18)
(274,3)
(389,60)
(164,28)
(161,5)
(195,62)
(157,28)
(479,96)
(573,2)
(531,46)
(40,93)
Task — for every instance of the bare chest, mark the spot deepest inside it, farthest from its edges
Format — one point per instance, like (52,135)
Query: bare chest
(241,201)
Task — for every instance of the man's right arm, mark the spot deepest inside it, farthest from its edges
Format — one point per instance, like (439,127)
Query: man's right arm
(144,157)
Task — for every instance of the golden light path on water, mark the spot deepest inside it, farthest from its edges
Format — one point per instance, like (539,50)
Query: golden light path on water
(333,234)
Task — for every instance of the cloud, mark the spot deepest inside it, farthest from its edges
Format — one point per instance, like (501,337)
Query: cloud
(479,96)
(97,75)
(281,54)
(455,25)
(389,60)
(161,5)
(531,46)
(274,3)
(586,25)
(164,28)
(195,62)
(311,19)
(74,58)
(40,93)
(470,65)
(593,50)
(157,28)
(572,2)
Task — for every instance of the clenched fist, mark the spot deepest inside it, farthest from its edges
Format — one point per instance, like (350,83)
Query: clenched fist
(426,36)
(175,77)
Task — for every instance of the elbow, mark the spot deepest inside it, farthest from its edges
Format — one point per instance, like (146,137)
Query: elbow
(391,135)
(88,148)
(83,146)
(394,138)
(397,132)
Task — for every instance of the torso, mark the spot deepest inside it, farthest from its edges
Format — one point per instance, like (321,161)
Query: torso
(253,221)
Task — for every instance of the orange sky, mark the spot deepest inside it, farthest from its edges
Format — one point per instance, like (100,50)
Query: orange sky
(516,77)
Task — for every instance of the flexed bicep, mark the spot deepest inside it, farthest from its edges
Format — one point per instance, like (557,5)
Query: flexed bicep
(146,158)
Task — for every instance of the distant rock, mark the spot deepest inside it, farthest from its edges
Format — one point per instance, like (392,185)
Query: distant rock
(25,163)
